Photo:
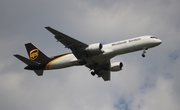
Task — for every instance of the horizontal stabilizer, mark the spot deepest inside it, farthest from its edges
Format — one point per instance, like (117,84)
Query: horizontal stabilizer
(26,61)
(39,72)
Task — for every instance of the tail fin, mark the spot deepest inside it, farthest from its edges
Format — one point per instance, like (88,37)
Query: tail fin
(35,54)
(36,57)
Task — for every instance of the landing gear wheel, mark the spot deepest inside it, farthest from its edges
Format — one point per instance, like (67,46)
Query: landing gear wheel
(143,55)
(93,73)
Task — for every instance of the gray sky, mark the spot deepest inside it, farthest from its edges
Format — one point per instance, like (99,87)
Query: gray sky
(150,83)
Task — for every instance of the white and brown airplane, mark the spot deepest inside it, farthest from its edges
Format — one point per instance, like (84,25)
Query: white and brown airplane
(95,56)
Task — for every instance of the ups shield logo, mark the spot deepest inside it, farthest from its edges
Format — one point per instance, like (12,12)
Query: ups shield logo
(33,54)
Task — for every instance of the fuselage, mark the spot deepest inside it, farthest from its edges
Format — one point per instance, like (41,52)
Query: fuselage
(109,51)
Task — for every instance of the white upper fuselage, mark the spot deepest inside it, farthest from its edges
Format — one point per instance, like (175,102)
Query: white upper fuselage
(109,51)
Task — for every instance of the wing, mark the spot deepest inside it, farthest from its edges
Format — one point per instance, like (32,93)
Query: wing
(106,75)
(102,69)
(69,42)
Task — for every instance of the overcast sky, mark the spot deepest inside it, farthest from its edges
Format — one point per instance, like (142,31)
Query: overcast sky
(150,83)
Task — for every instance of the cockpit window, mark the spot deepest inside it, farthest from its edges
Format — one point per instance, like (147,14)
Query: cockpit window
(154,37)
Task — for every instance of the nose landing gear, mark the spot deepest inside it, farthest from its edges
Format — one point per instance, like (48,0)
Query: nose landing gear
(144,51)
(143,55)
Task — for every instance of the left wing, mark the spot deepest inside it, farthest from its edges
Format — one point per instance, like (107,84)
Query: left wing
(69,42)
(102,69)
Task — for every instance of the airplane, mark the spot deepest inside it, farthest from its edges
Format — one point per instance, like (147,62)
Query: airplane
(95,56)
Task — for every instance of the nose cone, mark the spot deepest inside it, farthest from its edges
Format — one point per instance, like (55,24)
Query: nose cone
(159,41)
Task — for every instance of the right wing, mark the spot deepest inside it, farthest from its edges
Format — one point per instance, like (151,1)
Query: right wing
(69,42)
(106,75)
(102,69)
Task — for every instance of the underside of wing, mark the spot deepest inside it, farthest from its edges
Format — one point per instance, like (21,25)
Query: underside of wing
(106,75)
(101,69)
(69,42)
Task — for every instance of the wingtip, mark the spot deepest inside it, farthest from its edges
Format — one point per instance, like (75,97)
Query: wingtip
(53,31)
(47,27)
(15,55)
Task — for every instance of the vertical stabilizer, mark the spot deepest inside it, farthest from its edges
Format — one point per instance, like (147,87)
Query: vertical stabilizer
(35,54)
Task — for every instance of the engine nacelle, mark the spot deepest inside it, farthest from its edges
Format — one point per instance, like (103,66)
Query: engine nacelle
(117,66)
(94,48)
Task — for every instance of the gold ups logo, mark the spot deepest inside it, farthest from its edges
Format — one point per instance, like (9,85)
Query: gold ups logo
(33,54)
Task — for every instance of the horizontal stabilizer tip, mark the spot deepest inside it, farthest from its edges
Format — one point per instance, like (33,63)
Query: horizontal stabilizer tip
(39,72)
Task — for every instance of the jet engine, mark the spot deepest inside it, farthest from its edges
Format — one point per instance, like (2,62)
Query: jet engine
(117,66)
(94,48)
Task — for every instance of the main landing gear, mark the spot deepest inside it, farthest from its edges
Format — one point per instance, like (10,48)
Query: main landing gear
(144,51)
(93,73)
(95,70)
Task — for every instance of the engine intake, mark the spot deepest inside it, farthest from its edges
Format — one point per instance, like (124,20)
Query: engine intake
(117,66)
(94,48)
